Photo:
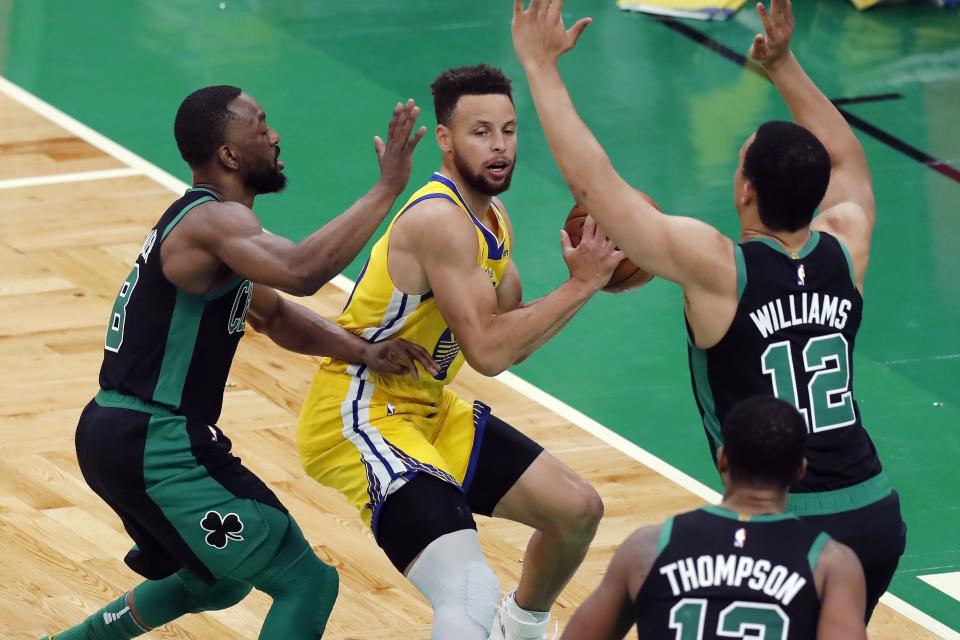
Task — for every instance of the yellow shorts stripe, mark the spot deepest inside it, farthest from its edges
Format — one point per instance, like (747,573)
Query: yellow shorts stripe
(366,444)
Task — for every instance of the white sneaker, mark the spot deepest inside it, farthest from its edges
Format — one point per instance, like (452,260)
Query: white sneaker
(514,623)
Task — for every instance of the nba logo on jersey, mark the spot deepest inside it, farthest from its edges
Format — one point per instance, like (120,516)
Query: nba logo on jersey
(801,276)
(740,538)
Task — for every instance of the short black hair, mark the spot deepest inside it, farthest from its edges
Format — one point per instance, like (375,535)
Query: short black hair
(201,122)
(789,169)
(763,438)
(476,80)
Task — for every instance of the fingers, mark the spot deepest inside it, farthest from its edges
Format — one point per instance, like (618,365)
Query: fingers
(392,360)
(765,17)
(589,229)
(538,7)
(421,355)
(517,8)
(574,33)
(394,121)
(378,145)
(565,243)
(415,140)
(401,124)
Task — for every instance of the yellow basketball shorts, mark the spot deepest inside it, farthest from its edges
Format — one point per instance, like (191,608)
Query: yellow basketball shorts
(366,444)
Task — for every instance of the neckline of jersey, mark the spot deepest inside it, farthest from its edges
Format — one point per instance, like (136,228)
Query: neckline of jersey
(723,512)
(450,184)
(210,191)
(810,245)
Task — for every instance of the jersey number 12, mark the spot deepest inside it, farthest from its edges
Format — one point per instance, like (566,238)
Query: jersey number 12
(829,401)
(746,620)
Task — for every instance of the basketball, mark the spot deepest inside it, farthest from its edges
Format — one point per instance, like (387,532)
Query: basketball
(627,276)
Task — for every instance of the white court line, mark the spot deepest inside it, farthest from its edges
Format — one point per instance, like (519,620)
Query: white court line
(948,582)
(514,382)
(61,178)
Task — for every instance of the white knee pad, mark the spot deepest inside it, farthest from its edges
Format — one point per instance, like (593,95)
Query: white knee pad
(462,589)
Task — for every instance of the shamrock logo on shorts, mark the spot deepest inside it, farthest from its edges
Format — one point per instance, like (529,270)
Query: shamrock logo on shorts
(222,529)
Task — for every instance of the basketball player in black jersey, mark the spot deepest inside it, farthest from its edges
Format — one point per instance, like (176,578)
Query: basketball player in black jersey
(207,529)
(741,566)
(776,312)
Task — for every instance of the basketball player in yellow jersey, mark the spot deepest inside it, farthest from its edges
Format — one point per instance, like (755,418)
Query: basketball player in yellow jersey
(415,459)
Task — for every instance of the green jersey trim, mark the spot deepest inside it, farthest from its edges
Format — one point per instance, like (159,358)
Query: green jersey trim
(210,191)
(184,212)
(225,289)
(665,530)
(117,400)
(803,253)
(741,270)
(847,499)
(746,517)
(816,548)
(698,363)
(846,254)
(181,340)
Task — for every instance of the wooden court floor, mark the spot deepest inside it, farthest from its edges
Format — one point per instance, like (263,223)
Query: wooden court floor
(67,239)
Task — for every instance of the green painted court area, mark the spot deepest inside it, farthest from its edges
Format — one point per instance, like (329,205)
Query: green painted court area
(671,113)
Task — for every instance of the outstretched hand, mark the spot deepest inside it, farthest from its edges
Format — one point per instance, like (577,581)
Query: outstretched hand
(399,357)
(774,43)
(539,36)
(396,154)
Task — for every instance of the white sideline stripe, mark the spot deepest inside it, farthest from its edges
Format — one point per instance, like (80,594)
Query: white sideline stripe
(930,623)
(514,382)
(98,140)
(949,582)
(61,178)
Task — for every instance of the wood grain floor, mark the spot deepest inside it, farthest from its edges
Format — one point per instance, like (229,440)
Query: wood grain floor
(64,249)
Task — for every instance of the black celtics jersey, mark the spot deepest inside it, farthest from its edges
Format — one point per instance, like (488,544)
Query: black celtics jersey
(165,345)
(722,575)
(793,336)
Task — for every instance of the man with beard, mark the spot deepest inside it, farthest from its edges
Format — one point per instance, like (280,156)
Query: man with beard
(207,529)
(415,459)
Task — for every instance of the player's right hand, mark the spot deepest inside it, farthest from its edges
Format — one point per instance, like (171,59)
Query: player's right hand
(594,259)
(774,43)
(539,35)
(396,154)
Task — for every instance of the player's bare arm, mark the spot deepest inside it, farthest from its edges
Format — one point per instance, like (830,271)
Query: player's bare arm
(443,243)
(230,234)
(842,590)
(683,250)
(607,614)
(298,329)
(848,210)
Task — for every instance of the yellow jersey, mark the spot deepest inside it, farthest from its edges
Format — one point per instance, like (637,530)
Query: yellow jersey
(377,309)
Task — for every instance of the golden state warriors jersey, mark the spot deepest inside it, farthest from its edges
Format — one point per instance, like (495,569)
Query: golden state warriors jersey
(377,309)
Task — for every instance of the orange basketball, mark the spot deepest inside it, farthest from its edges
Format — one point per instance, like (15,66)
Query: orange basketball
(627,275)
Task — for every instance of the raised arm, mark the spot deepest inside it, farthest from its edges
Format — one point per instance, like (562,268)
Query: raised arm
(232,234)
(298,329)
(684,250)
(445,245)
(848,208)
(843,598)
